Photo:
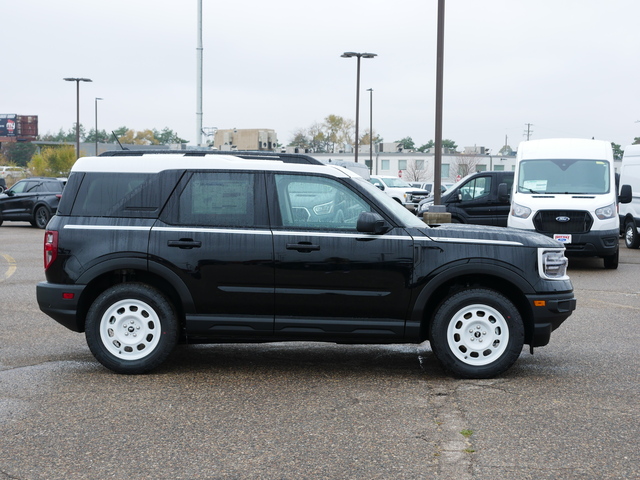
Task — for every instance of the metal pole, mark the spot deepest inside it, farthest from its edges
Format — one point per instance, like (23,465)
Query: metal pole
(77,80)
(370,131)
(437,167)
(357,108)
(97,98)
(199,78)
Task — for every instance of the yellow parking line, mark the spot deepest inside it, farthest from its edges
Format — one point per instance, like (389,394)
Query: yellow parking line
(12,267)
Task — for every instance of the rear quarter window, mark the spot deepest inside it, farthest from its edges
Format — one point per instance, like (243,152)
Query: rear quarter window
(100,194)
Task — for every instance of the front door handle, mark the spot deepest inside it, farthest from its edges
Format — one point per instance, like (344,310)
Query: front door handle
(184,243)
(303,247)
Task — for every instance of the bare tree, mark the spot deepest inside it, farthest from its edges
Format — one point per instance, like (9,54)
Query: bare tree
(466,164)
(417,172)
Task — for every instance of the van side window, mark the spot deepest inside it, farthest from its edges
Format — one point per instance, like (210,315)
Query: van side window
(476,188)
(318,203)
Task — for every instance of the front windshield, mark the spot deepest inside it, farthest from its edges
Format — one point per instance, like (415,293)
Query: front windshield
(395,183)
(564,176)
(408,218)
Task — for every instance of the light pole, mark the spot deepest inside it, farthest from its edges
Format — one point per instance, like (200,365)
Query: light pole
(370,90)
(78,80)
(358,56)
(97,98)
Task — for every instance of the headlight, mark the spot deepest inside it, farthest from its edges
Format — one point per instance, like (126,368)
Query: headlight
(520,211)
(606,212)
(552,264)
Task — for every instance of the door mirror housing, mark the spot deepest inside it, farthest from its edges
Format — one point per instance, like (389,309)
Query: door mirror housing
(371,222)
(503,193)
(626,194)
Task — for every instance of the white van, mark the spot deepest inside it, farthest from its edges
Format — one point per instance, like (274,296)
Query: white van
(630,212)
(565,188)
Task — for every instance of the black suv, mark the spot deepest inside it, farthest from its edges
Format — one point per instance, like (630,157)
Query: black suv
(148,250)
(33,200)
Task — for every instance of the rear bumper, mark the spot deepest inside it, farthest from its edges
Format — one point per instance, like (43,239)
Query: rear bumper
(62,308)
(549,312)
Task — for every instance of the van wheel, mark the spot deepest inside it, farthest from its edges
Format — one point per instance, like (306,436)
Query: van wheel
(477,333)
(611,261)
(131,328)
(631,236)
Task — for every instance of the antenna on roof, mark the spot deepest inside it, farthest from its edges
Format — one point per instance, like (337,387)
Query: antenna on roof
(116,137)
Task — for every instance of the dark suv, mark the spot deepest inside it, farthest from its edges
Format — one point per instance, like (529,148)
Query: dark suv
(33,200)
(148,250)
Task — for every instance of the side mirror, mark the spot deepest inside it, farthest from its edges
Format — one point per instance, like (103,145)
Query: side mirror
(626,194)
(380,186)
(503,193)
(371,222)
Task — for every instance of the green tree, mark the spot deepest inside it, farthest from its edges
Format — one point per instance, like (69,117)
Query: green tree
(300,139)
(446,144)
(636,141)
(167,136)
(18,153)
(364,139)
(53,161)
(407,143)
(102,136)
(430,144)
(617,151)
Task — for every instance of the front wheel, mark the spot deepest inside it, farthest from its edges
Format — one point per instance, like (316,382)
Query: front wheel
(131,328)
(611,261)
(477,333)
(631,236)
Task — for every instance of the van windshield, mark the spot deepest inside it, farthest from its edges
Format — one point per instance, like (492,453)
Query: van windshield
(564,176)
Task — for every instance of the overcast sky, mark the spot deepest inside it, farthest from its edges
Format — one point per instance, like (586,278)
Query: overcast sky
(568,67)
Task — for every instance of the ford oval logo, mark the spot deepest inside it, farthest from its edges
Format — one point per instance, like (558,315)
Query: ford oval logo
(562,219)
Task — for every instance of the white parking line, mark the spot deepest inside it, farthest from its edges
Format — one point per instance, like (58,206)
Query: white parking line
(11,269)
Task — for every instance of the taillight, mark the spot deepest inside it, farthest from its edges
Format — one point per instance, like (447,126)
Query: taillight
(50,247)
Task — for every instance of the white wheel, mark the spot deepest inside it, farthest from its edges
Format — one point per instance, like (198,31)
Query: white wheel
(130,329)
(478,335)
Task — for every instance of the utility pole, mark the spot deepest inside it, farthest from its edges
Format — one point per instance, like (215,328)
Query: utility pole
(529,132)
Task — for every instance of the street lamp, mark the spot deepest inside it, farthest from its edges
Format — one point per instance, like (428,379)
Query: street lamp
(97,98)
(358,56)
(370,90)
(78,80)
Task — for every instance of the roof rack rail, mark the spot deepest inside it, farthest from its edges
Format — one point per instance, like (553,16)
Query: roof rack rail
(246,154)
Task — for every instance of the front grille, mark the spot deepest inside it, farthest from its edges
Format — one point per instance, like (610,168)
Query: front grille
(546,221)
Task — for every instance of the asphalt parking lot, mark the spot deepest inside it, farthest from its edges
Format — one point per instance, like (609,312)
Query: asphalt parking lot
(319,411)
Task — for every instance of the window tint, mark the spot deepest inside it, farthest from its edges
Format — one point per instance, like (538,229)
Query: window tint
(318,203)
(23,187)
(114,194)
(218,199)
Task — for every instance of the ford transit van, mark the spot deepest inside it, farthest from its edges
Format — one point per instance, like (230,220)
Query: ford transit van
(565,188)
(630,212)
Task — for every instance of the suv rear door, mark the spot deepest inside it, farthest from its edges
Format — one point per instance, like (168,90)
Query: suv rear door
(214,234)
(331,280)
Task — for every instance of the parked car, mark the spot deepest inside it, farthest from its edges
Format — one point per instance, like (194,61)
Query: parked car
(12,174)
(478,199)
(401,191)
(33,200)
(428,186)
(148,250)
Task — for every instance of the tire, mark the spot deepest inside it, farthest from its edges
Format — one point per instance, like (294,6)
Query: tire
(611,261)
(41,217)
(477,333)
(631,236)
(131,328)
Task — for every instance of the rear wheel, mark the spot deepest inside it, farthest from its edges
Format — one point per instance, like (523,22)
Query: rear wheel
(131,328)
(477,333)
(41,217)
(631,236)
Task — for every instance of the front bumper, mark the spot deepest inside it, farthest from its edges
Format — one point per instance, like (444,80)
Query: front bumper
(549,312)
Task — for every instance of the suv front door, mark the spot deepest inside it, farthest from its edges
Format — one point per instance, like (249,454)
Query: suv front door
(331,280)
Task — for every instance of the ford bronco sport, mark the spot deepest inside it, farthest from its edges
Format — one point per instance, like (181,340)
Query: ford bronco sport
(151,249)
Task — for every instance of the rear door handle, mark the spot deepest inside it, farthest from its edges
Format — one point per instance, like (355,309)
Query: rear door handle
(303,247)
(184,243)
